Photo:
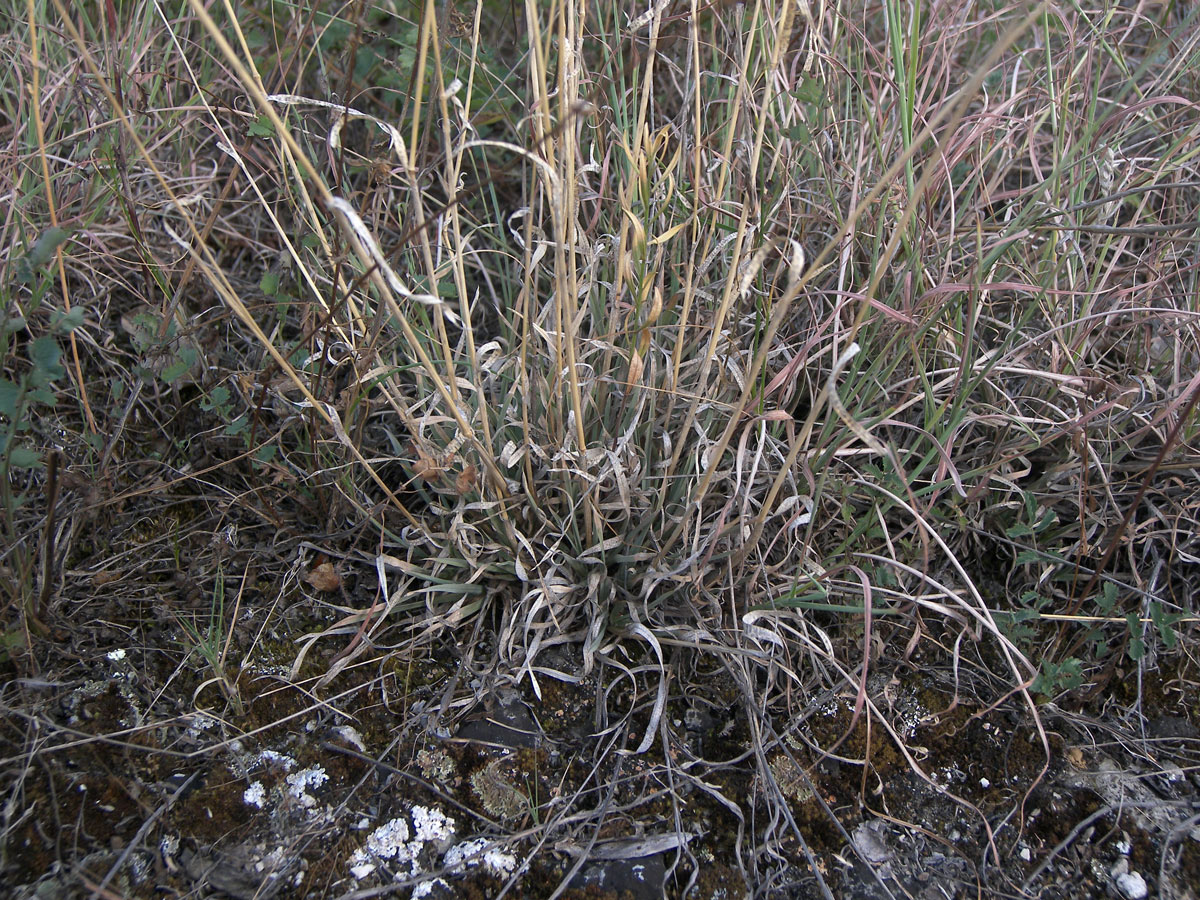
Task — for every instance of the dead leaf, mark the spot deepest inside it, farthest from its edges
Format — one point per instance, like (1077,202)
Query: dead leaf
(426,467)
(465,482)
(324,577)
(105,576)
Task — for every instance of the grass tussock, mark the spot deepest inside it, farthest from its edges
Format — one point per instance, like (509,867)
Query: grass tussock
(789,345)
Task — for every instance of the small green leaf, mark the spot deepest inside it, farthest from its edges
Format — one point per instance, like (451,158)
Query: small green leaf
(1137,646)
(1108,597)
(262,127)
(217,399)
(1033,600)
(180,366)
(10,644)
(174,371)
(1055,677)
(269,284)
(810,90)
(799,133)
(1164,623)
(40,395)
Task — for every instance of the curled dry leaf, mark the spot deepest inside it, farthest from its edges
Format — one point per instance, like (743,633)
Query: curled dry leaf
(427,467)
(465,481)
(105,576)
(636,365)
(324,577)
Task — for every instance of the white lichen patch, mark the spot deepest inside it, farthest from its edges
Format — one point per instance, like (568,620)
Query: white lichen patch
(361,870)
(389,839)
(479,852)
(790,778)
(255,795)
(405,845)
(80,707)
(274,758)
(199,723)
(432,825)
(295,792)
(351,736)
(300,782)
(425,888)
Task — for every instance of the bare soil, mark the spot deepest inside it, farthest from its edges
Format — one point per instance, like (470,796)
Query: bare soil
(132,770)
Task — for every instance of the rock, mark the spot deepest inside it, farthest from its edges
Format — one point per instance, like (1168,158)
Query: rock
(1132,886)
(870,842)
(641,878)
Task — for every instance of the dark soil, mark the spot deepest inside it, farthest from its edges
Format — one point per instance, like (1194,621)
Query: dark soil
(133,770)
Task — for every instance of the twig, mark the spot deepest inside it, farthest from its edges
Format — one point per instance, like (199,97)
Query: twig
(1168,444)
(48,540)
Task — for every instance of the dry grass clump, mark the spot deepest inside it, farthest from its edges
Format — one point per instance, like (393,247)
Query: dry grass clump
(804,342)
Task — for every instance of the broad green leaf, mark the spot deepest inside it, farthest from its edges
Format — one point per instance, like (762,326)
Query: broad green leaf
(41,252)
(24,458)
(45,353)
(9,393)
(70,320)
